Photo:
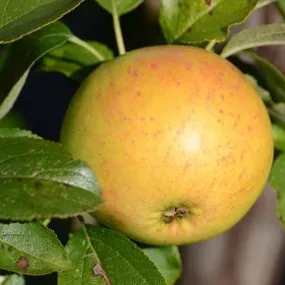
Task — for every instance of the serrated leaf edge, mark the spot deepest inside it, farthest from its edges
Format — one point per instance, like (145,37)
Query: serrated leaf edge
(47,262)
(135,246)
(44,25)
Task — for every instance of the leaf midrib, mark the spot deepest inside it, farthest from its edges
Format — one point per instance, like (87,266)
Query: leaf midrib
(30,254)
(262,39)
(22,15)
(191,22)
(127,261)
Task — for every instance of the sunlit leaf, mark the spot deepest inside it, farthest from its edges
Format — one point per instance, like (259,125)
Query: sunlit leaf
(191,21)
(30,249)
(39,179)
(18,18)
(102,256)
(264,35)
(123,6)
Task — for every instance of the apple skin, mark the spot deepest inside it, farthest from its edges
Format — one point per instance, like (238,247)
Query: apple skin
(179,140)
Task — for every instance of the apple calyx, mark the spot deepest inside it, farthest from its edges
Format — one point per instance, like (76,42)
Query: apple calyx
(174,213)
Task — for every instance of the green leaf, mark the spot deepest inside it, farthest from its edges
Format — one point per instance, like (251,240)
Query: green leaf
(274,79)
(79,53)
(103,256)
(31,249)
(279,108)
(277,181)
(43,179)
(14,119)
(264,94)
(277,116)
(11,97)
(69,69)
(264,35)
(74,60)
(19,18)
(278,137)
(16,133)
(21,55)
(168,261)
(280,4)
(190,21)
(123,6)
(13,280)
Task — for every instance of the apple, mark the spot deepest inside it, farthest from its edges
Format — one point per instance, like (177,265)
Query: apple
(179,140)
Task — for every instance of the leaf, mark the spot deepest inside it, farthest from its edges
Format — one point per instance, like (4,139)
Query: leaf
(14,119)
(75,61)
(264,94)
(123,6)
(167,260)
(103,256)
(78,53)
(69,69)
(280,4)
(13,280)
(13,94)
(22,55)
(19,18)
(15,133)
(277,181)
(279,108)
(39,179)
(190,21)
(276,116)
(274,79)
(264,35)
(278,137)
(263,3)
(31,249)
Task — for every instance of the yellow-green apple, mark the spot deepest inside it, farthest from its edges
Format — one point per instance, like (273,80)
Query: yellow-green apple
(179,140)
